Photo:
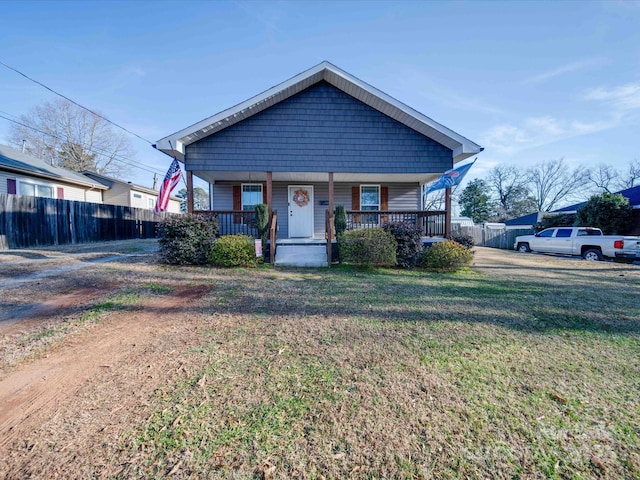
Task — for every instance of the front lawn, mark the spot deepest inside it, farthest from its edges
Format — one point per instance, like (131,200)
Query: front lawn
(509,371)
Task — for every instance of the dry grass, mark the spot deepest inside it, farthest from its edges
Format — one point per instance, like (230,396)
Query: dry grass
(390,374)
(524,366)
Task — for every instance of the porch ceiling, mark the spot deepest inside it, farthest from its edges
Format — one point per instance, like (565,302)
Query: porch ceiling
(314,177)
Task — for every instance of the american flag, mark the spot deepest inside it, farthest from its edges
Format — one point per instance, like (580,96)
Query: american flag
(170,181)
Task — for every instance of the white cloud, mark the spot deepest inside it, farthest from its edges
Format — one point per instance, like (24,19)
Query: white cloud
(537,131)
(505,138)
(546,125)
(568,68)
(624,97)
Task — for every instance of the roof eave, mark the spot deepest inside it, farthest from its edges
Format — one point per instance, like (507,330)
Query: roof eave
(53,178)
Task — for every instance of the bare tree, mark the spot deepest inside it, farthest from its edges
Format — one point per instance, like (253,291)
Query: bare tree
(433,200)
(509,186)
(552,182)
(605,178)
(632,178)
(66,135)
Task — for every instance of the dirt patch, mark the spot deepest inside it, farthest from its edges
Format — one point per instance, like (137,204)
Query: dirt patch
(44,395)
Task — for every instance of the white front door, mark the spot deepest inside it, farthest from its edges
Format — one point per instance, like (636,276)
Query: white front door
(300,211)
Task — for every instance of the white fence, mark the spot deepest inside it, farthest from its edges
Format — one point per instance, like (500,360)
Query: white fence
(495,236)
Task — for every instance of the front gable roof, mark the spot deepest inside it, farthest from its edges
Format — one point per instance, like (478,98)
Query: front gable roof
(174,145)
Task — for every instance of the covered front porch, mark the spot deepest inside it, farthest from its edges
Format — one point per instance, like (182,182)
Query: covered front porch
(302,206)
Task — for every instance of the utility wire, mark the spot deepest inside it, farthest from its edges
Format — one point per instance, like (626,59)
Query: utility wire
(127,161)
(74,102)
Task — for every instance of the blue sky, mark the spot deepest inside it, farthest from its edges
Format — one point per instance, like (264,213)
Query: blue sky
(528,80)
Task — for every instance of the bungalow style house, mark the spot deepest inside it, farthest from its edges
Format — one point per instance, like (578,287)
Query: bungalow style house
(22,174)
(119,192)
(320,139)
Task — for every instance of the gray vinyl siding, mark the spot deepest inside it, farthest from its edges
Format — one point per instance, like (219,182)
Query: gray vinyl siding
(222,197)
(402,196)
(117,195)
(321,129)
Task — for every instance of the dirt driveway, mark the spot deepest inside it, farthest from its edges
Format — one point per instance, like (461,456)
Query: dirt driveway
(89,334)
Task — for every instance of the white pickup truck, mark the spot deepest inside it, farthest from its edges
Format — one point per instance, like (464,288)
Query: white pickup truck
(587,242)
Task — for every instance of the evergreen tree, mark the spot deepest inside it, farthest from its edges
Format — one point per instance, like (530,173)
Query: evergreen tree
(474,200)
(609,212)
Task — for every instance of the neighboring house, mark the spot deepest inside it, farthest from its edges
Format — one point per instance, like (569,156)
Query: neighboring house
(632,194)
(23,174)
(319,139)
(525,221)
(119,192)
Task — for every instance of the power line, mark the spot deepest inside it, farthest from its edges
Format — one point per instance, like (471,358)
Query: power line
(121,159)
(74,102)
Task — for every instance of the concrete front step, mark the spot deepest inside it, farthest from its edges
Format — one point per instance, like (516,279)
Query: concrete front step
(301,256)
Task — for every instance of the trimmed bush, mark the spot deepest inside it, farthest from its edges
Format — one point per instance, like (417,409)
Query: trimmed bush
(262,223)
(234,251)
(340,220)
(187,239)
(465,240)
(368,247)
(447,256)
(409,240)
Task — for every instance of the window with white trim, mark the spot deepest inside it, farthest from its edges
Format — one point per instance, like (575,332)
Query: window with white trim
(35,189)
(369,197)
(251,195)
(151,202)
(370,200)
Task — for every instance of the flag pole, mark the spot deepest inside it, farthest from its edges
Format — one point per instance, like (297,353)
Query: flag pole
(186,184)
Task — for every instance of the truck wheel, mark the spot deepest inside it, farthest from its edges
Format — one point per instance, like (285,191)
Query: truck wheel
(592,255)
(523,247)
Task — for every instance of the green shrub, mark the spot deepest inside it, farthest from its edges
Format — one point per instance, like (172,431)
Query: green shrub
(609,212)
(262,223)
(466,241)
(548,221)
(447,256)
(187,239)
(234,251)
(340,220)
(368,247)
(409,239)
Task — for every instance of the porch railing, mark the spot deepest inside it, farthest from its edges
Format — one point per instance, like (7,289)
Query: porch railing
(431,223)
(234,222)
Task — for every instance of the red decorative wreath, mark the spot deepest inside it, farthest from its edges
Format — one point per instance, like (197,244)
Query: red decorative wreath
(301,197)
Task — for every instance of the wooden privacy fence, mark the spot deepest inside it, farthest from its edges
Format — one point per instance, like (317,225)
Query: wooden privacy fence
(33,221)
(496,236)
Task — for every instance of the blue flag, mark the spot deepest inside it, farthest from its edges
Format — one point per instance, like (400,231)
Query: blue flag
(450,178)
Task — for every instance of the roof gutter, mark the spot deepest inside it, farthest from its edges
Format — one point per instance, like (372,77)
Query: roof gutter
(50,177)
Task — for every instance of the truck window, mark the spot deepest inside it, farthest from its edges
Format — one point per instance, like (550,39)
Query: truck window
(564,232)
(546,233)
(583,232)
